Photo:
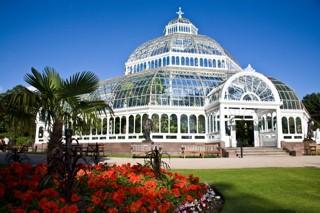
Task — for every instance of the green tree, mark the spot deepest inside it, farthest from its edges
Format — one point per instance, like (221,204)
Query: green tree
(60,102)
(312,104)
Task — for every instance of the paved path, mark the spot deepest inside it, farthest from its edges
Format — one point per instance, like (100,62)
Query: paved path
(210,163)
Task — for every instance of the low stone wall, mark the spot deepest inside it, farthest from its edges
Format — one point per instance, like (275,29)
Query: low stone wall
(294,148)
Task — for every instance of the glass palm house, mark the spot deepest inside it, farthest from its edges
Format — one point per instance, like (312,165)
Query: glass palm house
(194,91)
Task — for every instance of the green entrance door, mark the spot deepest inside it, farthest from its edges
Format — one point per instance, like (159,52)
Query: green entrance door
(244,133)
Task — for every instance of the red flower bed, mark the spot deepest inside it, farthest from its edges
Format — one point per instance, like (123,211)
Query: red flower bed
(124,188)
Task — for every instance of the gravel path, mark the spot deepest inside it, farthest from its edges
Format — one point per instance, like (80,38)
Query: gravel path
(209,163)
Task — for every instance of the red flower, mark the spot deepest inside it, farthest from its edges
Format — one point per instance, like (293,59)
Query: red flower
(69,209)
(118,196)
(112,210)
(75,197)
(135,206)
(18,210)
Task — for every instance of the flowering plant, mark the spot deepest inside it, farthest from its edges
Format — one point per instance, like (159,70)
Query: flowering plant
(124,188)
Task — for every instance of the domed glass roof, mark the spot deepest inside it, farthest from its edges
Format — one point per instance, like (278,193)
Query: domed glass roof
(178,42)
(158,88)
(287,95)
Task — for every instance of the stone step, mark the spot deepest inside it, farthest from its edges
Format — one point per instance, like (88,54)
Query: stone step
(259,151)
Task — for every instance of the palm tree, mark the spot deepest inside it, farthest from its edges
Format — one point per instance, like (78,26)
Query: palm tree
(61,102)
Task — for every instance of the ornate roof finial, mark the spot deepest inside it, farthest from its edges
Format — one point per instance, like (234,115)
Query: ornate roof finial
(180,13)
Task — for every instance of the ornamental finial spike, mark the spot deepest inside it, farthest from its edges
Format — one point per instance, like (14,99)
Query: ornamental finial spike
(180,13)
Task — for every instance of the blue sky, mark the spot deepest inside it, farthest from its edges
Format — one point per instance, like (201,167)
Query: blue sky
(279,38)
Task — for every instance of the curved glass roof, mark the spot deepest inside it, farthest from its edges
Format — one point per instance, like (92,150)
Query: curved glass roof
(158,88)
(287,95)
(178,42)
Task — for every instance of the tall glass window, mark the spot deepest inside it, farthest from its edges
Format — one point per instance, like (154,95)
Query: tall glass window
(99,126)
(177,60)
(173,123)
(196,62)
(191,62)
(193,124)
(117,125)
(159,62)
(201,62)
(187,61)
(131,124)
(269,122)
(155,123)
(210,63)
(214,64)
(182,61)
(201,124)
(111,126)
(284,122)
(298,125)
(219,64)
(164,62)
(168,60)
(138,124)
(164,123)
(123,125)
(184,123)
(144,118)
(104,126)
(205,62)
(291,125)
(173,60)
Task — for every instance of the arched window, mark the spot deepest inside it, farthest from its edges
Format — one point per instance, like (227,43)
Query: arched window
(40,132)
(184,123)
(155,123)
(168,60)
(177,60)
(135,68)
(201,62)
(284,122)
(182,61)
(159,62)
(164,123)
(196,62)
(173,60)
(149,65)
(156,64)
(104,126)
(205,62)
(111,126)
(164,62)
(138,124)
(144,65)
(193,124)
(298,125)
(219,64)
(214,64)
(292,127)
(117,125)
(263,124)
(222,64)
(99,126)
(173,123)
(201,124)
(131,124)
(93,131)
(214,124)
(144,118)
(191,62)
(210,63)
(152,64)
(123,125)
(187,61)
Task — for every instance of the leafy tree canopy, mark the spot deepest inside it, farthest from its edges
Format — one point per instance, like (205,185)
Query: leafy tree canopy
(312,103)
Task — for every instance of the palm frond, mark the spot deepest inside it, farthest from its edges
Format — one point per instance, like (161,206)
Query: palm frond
(79,84)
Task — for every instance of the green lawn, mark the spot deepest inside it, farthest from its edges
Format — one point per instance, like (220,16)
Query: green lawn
(282,190)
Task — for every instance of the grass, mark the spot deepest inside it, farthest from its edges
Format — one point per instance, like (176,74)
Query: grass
(283,190)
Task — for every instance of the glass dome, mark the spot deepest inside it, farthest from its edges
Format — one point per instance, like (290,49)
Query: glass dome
(178,42)
(169,88)
(287,95)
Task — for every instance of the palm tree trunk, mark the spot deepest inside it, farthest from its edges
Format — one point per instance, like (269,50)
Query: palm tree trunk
(55,149)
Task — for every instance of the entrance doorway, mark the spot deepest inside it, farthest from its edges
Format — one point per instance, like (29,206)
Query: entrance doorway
(244,133)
